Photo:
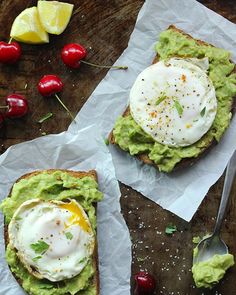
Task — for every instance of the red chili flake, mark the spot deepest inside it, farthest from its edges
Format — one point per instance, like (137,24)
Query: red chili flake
(183,78)
(153,114)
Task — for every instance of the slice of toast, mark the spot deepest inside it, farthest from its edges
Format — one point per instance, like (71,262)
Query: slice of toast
(185,162)
(76,174)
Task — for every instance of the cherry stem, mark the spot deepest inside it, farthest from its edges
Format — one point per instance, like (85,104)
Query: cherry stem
(104,67)
(9,42)
(4,107)
(60,101)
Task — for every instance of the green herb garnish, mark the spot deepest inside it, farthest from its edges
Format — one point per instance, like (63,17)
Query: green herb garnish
(196,240)
(18,218)
(178,107)
(40,247)
(160,99)
(45,286)
(106,141)
(44,118)
(141,259)
(36,258)
(203,111)
(170,229)
(69,235)
(82,260)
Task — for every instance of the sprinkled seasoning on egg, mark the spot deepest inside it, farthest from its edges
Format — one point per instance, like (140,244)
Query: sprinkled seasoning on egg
(183,78)
(173,108)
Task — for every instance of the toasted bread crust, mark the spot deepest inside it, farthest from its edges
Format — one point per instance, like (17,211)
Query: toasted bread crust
(77,174)
(185,162)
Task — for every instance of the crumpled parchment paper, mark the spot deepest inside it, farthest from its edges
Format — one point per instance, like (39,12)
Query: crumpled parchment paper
(183,191)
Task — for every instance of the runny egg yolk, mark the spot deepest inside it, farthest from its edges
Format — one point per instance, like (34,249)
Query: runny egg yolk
(77,217)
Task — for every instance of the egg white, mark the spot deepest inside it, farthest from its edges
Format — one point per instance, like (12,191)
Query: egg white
(69,237)
(174,101)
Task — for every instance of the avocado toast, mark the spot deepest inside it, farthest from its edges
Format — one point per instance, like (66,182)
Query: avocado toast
(131,137)
(56,186)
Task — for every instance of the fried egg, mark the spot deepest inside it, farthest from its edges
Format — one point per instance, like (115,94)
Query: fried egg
(174,101)
(53,239)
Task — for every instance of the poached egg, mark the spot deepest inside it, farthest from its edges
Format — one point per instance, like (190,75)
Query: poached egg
(174,101)
(53,239)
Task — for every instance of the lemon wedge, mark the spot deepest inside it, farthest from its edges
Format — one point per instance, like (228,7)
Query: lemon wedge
(27,27)
(54,15)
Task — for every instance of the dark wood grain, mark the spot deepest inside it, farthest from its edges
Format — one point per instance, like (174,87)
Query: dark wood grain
(104,28)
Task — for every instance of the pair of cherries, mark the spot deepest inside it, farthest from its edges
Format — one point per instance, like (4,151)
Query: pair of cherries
(50,85)
(72,55)
(11,52)
(16,104)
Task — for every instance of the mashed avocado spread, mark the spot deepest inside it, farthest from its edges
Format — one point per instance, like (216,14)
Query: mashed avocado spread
(54,186)
(208,273)
(130,137)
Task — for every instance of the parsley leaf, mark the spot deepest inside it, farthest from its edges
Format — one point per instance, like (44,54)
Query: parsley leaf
(106,141)
(69,235)
(170,229)
(83,260)
(178,107)
(45,286)
(35,259)
(203,111)
(141,259)
(40,247)
(18,218)
(45,117)
(160,99)
(196,240)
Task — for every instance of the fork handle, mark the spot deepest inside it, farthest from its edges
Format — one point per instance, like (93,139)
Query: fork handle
(229,178)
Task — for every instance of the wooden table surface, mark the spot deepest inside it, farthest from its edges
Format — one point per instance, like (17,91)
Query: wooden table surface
(104,26)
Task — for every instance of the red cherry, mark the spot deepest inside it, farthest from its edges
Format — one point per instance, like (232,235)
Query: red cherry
(50,85)
(17,106)
(1,120)
(145,284)
(10,53)
(72,54)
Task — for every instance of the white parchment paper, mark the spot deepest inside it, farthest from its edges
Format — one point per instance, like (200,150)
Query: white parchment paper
(83,151)
(183,191)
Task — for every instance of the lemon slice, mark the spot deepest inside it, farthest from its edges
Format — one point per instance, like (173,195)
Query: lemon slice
(27,27)
(54,15)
